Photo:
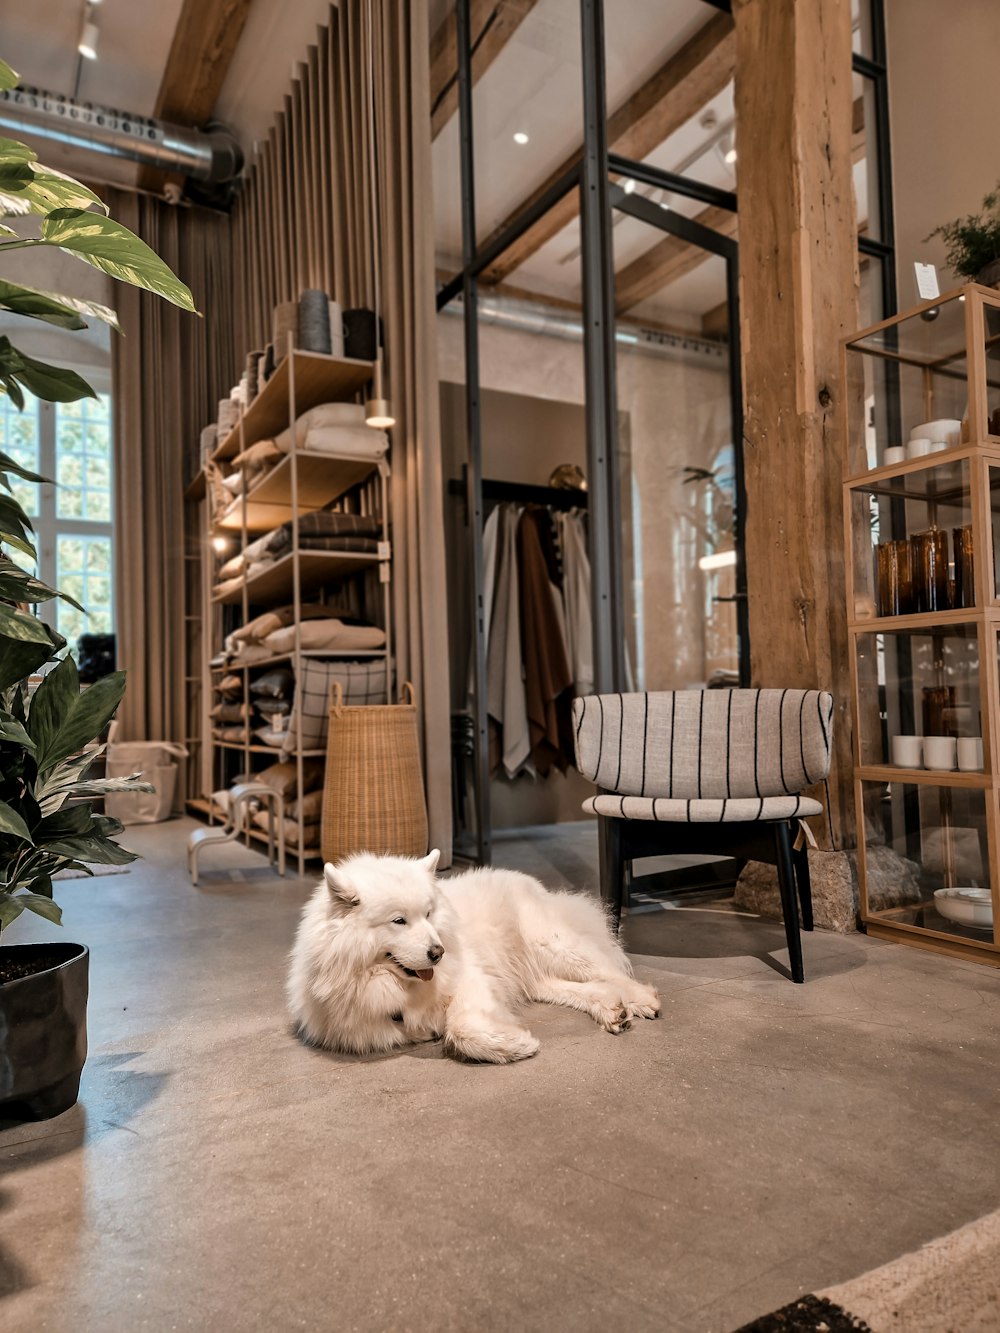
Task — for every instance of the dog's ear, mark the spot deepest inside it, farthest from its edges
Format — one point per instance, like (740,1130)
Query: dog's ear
(430,862)
(341,890)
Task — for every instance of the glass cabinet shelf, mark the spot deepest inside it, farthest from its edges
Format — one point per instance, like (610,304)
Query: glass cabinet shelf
(922,498)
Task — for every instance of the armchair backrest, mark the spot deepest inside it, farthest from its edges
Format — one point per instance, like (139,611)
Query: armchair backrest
(692,744)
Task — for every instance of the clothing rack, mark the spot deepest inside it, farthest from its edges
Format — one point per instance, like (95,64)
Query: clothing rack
(556,497)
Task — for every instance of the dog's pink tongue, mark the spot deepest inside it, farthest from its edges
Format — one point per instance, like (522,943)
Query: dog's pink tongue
(425,973)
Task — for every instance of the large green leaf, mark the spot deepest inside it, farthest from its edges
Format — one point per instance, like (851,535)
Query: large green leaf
(15,525)
(11,908)
(8,79)
(35,902)
(44,190)
(53,384)
(8,464)
(19,660)
(21,625)
(10,149)
(65,312)
(62,719)
(12,732)
(11,823)
(94,848)
(71,821)
(114,249)
(17,585)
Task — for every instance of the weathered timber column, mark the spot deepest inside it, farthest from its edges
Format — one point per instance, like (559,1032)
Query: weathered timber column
(798,289)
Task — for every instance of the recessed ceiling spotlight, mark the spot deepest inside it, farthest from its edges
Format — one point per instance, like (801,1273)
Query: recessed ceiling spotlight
(730,155)
(520,137)
(629,186)
(87,45)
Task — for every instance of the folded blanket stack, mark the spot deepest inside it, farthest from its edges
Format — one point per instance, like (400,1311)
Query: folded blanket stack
(323,530)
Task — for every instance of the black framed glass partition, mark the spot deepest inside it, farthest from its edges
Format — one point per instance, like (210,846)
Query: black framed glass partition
(588,260)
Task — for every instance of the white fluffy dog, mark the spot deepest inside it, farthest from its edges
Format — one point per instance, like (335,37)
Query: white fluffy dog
(386,954)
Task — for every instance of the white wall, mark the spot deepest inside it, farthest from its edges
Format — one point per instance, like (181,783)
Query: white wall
(945,121)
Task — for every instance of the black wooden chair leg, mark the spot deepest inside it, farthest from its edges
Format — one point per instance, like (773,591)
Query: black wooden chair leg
(804,884)
(612,863)
(789,907)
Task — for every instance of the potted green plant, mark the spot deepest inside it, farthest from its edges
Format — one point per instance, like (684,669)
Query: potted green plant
(48,733)
(973,243)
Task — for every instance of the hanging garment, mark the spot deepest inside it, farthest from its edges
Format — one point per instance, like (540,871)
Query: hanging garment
(505,683)
(576,598)
(547,677)
(490,539)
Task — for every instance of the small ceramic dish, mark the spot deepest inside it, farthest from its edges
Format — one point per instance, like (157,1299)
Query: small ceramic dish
(968,907)
(946,431)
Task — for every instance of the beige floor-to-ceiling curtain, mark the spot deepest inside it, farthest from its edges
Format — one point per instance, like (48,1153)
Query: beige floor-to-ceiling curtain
(401,43)
(168,372)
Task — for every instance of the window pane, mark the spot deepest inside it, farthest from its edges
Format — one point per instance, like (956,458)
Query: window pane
(83,459)
(83,566)
(19,439)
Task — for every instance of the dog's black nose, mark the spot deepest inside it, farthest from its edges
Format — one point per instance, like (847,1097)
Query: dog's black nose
(435,954)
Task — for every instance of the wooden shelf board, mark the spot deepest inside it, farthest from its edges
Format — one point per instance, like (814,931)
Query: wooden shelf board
(322,478)
(924,620)
(318,379)
(316,568)
(953,945)
(933,777)
(195,489)
(266,749)
(312,653)
(258,835)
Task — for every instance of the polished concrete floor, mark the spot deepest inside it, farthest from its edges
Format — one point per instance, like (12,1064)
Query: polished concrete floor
(759,1141)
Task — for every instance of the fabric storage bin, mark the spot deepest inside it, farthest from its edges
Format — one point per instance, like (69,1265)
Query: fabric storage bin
(155,761)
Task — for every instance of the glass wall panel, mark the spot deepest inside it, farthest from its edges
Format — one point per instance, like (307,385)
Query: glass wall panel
(678,483)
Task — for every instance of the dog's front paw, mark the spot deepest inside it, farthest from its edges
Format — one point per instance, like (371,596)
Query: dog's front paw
(642,1002)
(495,1046)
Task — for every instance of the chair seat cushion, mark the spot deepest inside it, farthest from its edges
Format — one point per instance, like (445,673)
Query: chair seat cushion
(733,810)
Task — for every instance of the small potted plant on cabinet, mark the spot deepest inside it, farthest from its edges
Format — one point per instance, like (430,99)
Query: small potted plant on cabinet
(973,243)
(48,727)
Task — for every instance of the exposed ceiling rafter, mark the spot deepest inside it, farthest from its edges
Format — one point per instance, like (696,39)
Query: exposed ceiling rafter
(492,24)
(678,90)
(202,49)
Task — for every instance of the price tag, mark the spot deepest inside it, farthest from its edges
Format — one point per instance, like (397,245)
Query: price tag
(385,550)
(927,281)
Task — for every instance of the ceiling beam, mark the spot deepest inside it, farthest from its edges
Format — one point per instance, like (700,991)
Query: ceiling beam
(492,24)
(678,90)
(205,40)
(667,261)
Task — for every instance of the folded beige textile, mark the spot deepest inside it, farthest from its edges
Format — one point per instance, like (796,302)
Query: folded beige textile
(283,778)
(269,621)
(310,831)
(325,415)
(333,634)
(231,687)
(237,734)
(258,457)
(231,712)
(351,442)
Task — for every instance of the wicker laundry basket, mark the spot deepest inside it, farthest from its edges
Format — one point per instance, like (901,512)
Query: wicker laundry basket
(373,795)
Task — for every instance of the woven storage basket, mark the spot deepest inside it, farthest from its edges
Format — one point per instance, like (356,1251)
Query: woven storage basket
(373,795)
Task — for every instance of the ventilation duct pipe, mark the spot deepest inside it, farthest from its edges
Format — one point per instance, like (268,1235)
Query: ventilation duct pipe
(527,317)
(212,155)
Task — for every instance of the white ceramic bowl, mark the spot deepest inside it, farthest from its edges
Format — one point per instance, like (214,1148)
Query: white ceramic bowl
(947,429)
(969,907)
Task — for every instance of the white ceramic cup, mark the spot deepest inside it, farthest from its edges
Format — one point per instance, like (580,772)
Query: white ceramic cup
(970,754)
(919,447)
(906,751)
(940,752)
(896,453)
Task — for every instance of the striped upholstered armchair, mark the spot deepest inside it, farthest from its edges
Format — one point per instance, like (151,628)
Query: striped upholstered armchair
(669,763)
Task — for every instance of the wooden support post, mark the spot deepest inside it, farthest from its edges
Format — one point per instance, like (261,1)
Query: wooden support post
(798,297)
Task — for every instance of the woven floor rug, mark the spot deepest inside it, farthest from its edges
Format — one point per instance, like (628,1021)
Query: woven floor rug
(951,1285)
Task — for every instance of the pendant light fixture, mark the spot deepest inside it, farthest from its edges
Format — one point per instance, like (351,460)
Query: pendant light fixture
(378,409)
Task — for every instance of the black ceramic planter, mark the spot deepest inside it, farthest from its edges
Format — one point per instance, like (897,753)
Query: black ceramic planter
(43,1031)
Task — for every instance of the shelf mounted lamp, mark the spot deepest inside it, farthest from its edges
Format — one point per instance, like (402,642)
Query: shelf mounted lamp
(378,409)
